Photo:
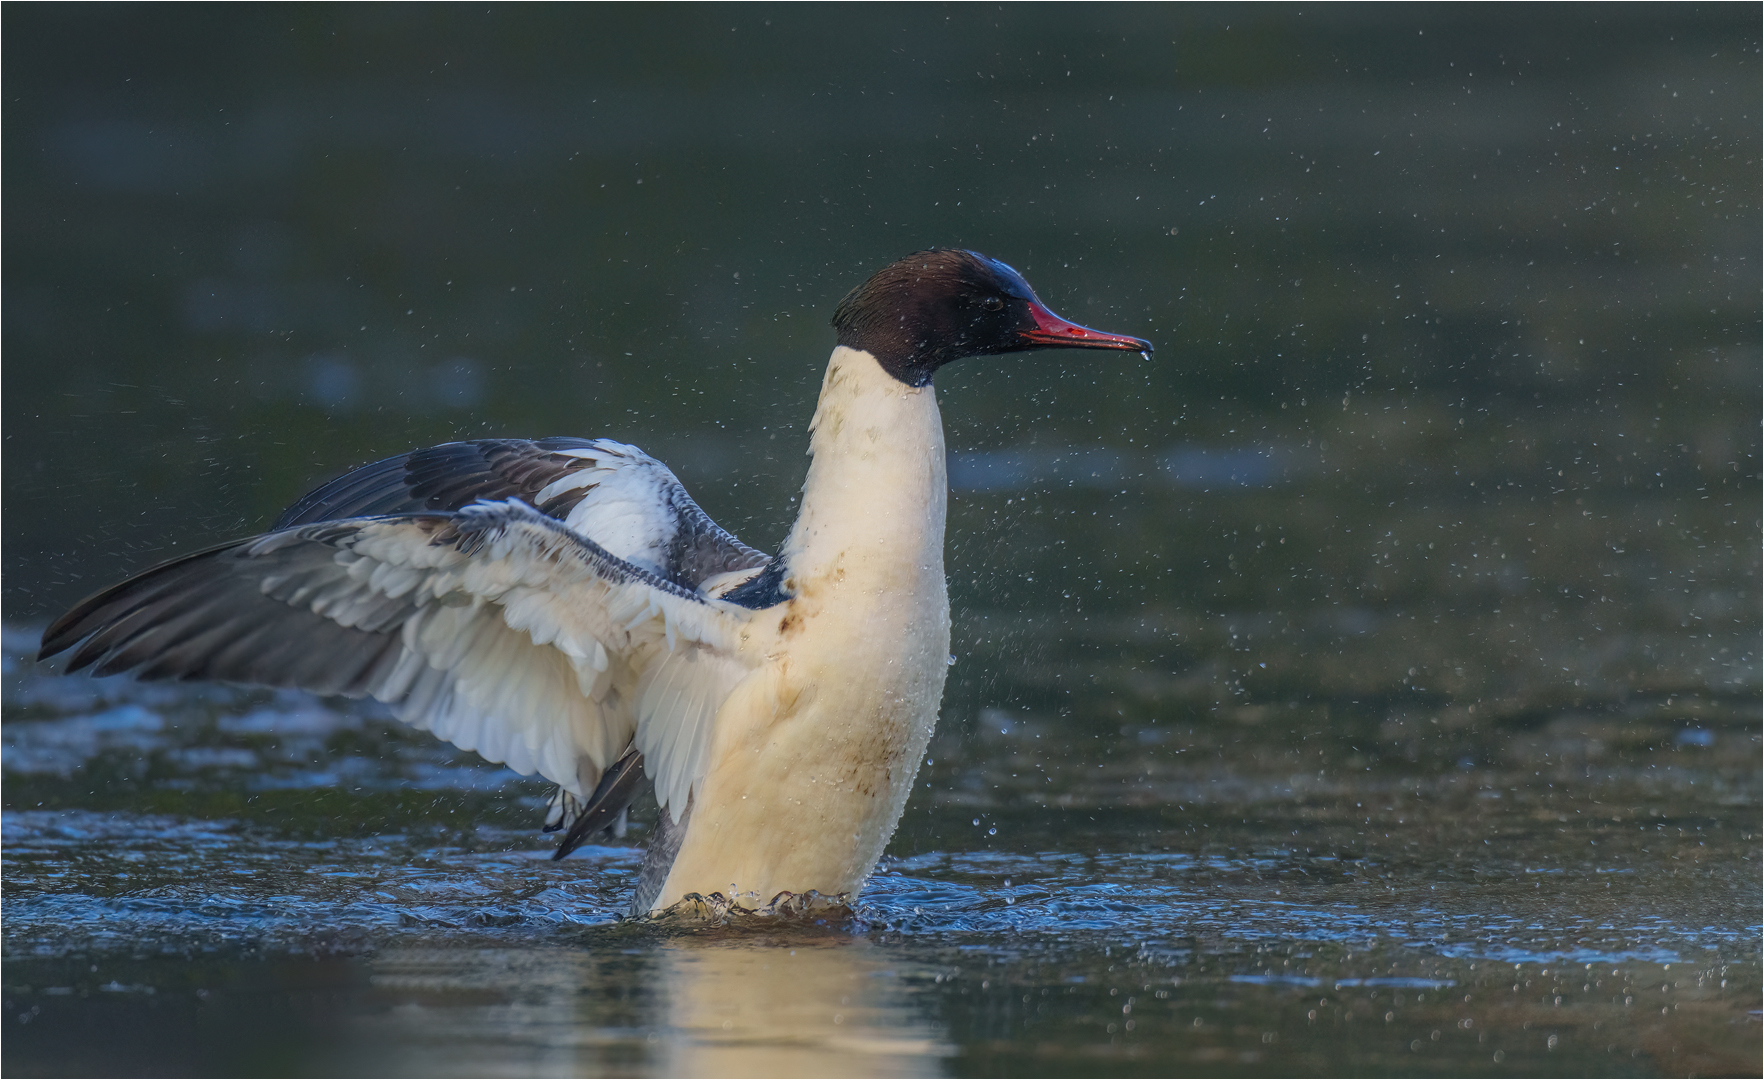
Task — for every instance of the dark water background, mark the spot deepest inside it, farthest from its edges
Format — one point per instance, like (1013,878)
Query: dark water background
(1368,683)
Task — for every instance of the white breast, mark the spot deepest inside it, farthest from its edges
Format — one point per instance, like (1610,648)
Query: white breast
(816,751)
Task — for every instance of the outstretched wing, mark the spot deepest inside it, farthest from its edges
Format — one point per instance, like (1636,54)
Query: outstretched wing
(497,627)
(623,499)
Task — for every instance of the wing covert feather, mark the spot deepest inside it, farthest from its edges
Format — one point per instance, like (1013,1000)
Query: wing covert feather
(616,495)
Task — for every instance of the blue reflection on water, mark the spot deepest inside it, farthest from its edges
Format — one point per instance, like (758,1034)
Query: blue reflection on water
(82,880)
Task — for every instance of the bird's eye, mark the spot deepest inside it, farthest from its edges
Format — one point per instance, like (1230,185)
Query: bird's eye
(992,303)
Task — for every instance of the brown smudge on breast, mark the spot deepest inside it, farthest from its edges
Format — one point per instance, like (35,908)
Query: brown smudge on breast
(867,783)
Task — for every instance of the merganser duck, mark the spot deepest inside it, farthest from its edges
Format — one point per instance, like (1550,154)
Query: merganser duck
(563,607)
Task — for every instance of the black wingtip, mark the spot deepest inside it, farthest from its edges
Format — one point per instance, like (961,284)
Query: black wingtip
(617,787)
(55,640)
(72,628)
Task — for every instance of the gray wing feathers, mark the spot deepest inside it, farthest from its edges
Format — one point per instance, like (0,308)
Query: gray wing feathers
(625,500)
(208,616)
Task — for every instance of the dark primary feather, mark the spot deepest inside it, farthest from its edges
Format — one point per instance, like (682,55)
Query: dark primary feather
(618,785)
(208,616)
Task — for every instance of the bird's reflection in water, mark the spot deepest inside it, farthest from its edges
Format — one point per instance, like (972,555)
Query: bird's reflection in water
(804,1006)
(804,1003)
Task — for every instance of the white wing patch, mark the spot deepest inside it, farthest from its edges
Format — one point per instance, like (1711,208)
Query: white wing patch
(489,689)
(531,648)
(623,508)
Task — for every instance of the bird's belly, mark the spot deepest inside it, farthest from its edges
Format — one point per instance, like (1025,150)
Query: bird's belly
(814,761)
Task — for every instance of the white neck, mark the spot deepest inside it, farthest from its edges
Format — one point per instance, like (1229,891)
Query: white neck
(876,498)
